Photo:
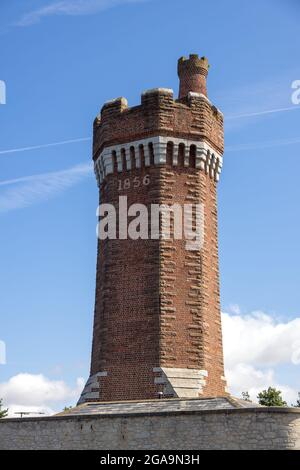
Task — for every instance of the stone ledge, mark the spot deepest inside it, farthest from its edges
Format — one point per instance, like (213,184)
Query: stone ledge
(233,428)
(79,413)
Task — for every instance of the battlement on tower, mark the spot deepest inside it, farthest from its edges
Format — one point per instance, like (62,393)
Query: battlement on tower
(192,117)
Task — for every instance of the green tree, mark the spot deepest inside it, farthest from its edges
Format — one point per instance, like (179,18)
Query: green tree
(246,396)
(3,413)
(271,397)
(298,401)
(67,408)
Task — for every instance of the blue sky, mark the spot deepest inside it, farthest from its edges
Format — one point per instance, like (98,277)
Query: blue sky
(60,61)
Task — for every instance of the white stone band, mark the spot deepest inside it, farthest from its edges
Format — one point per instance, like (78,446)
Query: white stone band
(207,159)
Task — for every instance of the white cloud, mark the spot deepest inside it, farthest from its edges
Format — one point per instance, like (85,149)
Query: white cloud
(254,346)
(29,190)
(30,392)
(70,8)
(258,339)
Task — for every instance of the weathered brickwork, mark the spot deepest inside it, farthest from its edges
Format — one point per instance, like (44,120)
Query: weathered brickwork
(157,325)
(126,326)
(189,286)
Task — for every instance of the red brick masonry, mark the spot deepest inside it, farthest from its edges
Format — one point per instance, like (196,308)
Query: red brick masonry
(157,325)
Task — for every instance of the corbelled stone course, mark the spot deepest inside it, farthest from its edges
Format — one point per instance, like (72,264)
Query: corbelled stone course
(153,150)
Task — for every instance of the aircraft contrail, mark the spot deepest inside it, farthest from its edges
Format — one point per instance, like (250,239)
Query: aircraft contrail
(42,146)
(85,139)
(79,170)
(261,113)
(262,145)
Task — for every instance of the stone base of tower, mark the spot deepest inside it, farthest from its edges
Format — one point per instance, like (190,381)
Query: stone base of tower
(194,424)
(168,382)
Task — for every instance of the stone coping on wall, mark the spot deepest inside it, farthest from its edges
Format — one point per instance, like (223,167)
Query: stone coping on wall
(169,407)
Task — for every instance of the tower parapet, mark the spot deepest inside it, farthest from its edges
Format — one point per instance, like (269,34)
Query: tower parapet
(192,118)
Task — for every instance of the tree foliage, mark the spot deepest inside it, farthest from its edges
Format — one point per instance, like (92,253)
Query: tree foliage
(271,397)
(67,408)
(246,396)
(298,401)
(3,413)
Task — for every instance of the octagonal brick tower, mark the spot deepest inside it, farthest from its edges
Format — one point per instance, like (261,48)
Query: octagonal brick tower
(157,323)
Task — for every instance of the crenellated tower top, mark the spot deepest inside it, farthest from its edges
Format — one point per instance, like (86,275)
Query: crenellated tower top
(191,120)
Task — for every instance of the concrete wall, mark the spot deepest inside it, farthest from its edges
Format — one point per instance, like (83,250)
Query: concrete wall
(271,428)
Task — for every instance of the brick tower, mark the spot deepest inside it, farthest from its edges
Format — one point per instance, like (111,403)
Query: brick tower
(157,325)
